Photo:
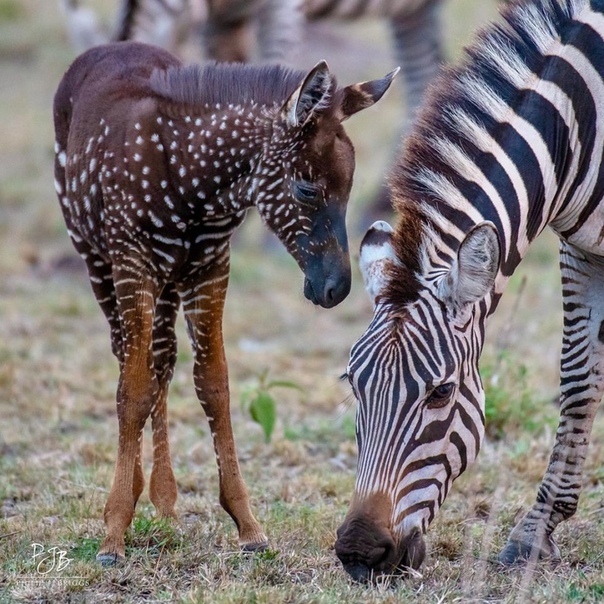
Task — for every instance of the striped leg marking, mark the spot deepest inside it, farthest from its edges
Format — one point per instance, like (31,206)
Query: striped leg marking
(582,385)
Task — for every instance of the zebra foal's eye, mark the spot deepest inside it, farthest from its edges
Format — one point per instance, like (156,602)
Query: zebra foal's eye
(306,192)
(440,395)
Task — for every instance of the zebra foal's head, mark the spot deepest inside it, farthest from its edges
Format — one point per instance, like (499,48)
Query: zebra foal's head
(414,373)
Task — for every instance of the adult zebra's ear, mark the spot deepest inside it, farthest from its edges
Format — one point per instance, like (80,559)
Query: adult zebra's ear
(313,94)
(360,96)
(375,255)
(474,270)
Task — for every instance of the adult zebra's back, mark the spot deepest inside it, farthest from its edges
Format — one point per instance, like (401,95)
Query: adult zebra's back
(509,143)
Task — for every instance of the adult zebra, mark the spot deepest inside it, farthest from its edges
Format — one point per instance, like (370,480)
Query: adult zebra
(509,143)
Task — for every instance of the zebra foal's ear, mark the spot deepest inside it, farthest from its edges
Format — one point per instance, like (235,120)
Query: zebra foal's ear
(360,96)
(473,272)
(312,95)
(375,256)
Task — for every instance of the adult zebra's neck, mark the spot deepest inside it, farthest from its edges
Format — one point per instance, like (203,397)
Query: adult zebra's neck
(508,138)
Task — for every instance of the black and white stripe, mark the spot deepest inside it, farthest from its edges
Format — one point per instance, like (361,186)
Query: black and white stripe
(509,143)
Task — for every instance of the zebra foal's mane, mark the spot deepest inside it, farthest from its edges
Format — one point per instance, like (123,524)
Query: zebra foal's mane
(223,83)
(464,103)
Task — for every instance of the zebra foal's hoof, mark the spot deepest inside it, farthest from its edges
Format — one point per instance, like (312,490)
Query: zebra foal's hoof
(109,559)
(249,548)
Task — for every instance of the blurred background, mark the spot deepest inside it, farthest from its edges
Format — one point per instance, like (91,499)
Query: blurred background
(58,430)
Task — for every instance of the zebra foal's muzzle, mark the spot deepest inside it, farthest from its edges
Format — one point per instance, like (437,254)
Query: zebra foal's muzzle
(327,278)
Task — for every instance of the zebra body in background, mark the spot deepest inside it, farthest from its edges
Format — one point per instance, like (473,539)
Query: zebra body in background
(227,28)
(508,143)
(414,24)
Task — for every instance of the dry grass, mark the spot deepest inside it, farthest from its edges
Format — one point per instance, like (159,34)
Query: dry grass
(58,426)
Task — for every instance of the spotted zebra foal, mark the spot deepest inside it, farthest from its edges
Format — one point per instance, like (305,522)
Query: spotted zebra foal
(509,143)
(156,165)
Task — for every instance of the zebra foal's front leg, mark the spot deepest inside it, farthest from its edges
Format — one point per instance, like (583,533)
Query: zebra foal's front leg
(582,385)
(203,303)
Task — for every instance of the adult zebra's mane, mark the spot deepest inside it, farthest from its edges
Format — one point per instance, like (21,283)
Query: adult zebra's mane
(465,102)
(224,83)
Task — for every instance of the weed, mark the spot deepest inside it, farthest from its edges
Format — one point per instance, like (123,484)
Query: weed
(510,404)
(257,399)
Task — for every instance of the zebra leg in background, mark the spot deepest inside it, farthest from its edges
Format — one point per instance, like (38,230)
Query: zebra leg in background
(227,35)
(162,487)
(417,39)
(418,47)
(280,26)
(582,385)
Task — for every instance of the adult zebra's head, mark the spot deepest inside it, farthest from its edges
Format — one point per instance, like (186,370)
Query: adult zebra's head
(420,413)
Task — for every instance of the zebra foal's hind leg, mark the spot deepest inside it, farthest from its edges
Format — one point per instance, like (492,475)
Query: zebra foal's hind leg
(582,385)
(162,486)
(101,280)
(136,295)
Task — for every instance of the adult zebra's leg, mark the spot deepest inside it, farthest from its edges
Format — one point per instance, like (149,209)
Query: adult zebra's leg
(137,390)
(162,487)
(203,302)
(582,385)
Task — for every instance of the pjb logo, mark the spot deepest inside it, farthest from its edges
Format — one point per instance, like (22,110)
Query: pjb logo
(49,560)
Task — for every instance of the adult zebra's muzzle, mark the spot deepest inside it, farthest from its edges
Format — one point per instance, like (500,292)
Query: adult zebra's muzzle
(367,548)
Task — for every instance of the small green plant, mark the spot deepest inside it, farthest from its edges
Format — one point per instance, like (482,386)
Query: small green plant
(257,399)
(85,548)
(510,403)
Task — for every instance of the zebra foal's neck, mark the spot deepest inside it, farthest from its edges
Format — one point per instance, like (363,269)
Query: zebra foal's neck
(512,137)
(213,124)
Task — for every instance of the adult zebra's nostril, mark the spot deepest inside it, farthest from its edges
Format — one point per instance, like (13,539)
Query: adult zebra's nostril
(359,573)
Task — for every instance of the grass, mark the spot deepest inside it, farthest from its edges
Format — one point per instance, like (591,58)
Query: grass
(58,428)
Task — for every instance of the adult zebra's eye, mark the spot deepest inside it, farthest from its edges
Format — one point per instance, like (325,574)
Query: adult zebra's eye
(306,192)
(440,396)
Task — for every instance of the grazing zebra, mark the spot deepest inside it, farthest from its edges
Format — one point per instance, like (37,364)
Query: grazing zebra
(509,143)
(156,165)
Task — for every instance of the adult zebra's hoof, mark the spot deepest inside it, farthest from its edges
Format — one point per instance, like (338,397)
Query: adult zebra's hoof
(109,559)
(518,552)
